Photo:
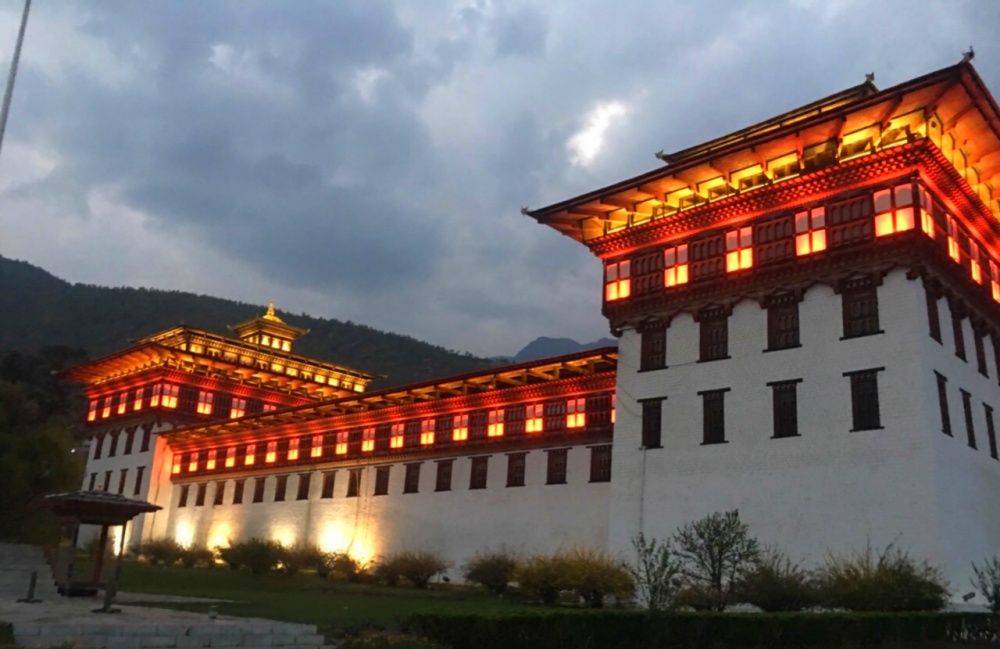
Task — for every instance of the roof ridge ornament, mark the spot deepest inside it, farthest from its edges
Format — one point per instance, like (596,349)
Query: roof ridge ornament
(870,77)
(270,313)
(968,56)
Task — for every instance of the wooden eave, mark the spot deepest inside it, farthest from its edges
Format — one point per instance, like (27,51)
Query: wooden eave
(586,363)
(956,95)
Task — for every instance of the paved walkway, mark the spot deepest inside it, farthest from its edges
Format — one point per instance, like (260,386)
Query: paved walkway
(61,620)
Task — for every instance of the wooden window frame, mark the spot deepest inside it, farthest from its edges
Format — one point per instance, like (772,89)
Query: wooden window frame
(443,475)
(516,465)
(354,483)
(600,463)
(382,476)
(991,431)
(329,485)
(305,484)
(866,412)
(479,467)
(653,348)
(556,466)
(411,478)
(713,428)
(970,427)
(713,342)
(782,310)
(784,402)
(652,423)
(856,302)
(943,409)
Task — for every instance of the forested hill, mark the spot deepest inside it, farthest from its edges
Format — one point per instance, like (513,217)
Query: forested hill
(38,310)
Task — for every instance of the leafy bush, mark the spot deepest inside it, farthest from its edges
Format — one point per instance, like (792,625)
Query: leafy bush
(776,584)
(256,555)
(419,567)
(192,557)
(161,551)
(594,574)
(656,573)
(987,582)
(341,565)
(297,558)
(715,553)
(389,641)
(389,570)
(492,569)
(544,576)
(890,580)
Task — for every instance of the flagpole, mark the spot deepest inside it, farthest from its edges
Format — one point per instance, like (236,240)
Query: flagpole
(9,92)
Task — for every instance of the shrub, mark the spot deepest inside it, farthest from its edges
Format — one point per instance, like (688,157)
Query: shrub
(776,584)
(192,557)
(419,567)
(543,576)
(389,641)
(656,573)
(715,552)
(388,571)
(492,569)
(987,582)
(256,555)
(161,551)
(341,565)
(890,580)
(297,558)
(594,574)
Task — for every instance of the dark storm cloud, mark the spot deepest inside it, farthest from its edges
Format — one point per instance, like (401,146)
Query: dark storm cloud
(369,159)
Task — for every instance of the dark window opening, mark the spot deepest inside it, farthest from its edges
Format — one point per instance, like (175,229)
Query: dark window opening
(382,480)
(556,469)
(942,388)
(220,493)
(183,500)
(933,316)
(98,446)
(93,481)
(354,483)
(652,422)
(411,480)
(600,463)
(238,492)
(326,491)
(280,488)
(785,406)
(991,431)
(121,480)
(146,435)
(980,353)
(970,430)
(478,475)
(199,499)
(783,326)
(258,490)
(956,326)
(515,469)
(107,481)
(860,310)
(653,354)
(714,341)
(443,481)
(139,471)
(714,416)
(129,442)
(303,492)
(864,399)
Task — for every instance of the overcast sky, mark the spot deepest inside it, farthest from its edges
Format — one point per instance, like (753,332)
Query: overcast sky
(367,160)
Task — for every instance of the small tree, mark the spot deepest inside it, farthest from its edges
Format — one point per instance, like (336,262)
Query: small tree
(594,574)
(544,576)
(161,551)
(715,552)
(492,569)
(987,582)
(776,584)
(656,572)
(417,567)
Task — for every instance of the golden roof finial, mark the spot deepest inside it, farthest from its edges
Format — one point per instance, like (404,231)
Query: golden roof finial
(270,313)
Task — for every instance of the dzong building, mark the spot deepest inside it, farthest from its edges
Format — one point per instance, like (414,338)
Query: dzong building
(809,321)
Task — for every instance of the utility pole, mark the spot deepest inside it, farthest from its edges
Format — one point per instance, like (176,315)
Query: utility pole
(9,92)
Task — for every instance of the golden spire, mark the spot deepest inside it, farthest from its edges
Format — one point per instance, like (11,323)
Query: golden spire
(270,313)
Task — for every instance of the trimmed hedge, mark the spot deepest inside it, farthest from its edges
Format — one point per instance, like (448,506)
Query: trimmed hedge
(6,634)
(581,629)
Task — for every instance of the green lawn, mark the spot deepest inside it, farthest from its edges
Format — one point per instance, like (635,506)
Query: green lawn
(332,605)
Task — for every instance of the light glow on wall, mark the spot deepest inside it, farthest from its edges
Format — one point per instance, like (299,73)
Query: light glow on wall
(176,468)
(284,535)
(219,535)
(342,537)
(92,413)
(184,534)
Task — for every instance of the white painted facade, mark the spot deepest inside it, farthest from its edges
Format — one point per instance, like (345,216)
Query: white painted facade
(828,489)
(536,517)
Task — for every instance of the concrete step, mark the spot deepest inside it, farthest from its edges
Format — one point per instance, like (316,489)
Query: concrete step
(228,633)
